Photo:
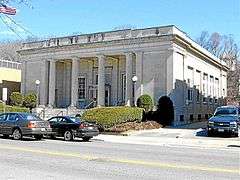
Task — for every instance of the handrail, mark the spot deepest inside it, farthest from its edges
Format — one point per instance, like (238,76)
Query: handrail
(61,112)
(87,106)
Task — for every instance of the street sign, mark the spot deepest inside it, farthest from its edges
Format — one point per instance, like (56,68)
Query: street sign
(4,94)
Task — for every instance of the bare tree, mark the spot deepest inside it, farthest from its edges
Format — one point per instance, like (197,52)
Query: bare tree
(225,48)
(8,50)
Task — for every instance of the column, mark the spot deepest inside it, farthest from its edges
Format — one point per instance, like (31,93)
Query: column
(139,74)
(101,80)
(74,82)
(52,78)
(129,83)
(23,77)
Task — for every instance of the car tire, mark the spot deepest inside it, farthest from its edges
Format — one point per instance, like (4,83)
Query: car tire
(210,133)
(236,134)
(5,136)
(52,136)
(38,137)
(17,134)
(86,139)
(68,135)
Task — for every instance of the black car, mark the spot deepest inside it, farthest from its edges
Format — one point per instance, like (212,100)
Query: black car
(70,127)
(23,124)
(225,120)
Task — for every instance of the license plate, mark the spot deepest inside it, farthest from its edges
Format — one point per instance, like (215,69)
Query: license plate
(43,129)
(220,130)
(90,127)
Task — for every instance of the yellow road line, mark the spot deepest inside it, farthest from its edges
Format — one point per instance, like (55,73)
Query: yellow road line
(124,161)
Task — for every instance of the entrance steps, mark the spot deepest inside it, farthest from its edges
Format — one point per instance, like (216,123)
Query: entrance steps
(45,112)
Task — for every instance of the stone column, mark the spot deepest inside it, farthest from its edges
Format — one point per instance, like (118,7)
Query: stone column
(101,80)
(52,79)
(139,74)
(23,77)
(129,83)
(74,82)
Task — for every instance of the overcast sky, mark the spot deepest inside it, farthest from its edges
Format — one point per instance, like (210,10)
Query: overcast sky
(65,17)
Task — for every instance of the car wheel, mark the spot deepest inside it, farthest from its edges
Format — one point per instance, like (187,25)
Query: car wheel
(236,134)
(210,134)
(5,136)
(52,136)
(68,136)
(38,137)
(17,134)
(85,139)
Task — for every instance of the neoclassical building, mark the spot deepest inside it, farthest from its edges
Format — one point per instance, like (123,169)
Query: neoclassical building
(97,69)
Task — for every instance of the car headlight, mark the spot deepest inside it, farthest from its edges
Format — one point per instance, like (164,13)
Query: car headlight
(233,123)
(210,123)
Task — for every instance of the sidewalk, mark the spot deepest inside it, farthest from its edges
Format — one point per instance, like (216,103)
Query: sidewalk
(177,136)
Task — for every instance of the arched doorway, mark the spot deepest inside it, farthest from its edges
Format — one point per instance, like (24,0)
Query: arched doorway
(165,111)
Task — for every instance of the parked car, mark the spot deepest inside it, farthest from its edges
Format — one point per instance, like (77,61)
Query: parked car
(23,124)
(70,127)
(225,120)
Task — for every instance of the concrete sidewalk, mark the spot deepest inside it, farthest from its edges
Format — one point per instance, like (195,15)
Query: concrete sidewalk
(174,137)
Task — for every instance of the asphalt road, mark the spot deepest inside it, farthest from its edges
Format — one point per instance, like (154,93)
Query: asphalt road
(56,159)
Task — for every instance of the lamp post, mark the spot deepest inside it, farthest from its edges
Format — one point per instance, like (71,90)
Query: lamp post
(37,83)
(134,79)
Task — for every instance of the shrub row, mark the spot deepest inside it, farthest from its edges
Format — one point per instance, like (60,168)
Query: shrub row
(29,101)
(108,117)
(13,108)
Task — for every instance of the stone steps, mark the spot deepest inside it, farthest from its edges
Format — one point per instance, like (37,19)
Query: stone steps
(46,113)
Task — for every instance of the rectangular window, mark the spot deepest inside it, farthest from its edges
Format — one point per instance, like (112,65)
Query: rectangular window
(190,95)
(81,88)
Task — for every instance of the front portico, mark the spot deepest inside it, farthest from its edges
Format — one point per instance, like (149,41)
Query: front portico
(101,80)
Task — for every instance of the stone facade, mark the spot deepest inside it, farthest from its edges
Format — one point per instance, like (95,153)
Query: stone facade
(97,69)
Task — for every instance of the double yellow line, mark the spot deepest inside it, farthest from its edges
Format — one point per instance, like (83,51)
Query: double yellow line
(124,161)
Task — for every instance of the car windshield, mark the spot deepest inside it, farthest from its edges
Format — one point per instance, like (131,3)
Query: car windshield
(30,117)
(75,119)
(225,111)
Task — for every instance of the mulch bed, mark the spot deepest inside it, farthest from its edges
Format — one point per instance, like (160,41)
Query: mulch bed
(134,126)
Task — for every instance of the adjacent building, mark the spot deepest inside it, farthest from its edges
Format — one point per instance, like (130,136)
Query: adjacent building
(10,77)
(97,69)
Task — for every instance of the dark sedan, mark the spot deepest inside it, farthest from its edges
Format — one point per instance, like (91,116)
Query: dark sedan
(23,124)
(70,127)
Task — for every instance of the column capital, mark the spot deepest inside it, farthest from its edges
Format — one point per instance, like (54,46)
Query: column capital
(129,53)
(101,56)
(75,58)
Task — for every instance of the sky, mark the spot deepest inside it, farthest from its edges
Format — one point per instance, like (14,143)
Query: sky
(51,18)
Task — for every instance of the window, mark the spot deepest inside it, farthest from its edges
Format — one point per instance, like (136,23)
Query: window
(96,79)
(181,118)
(205,85)
(3,117)
(53,120)
(198,95)
(190,94)
(13,117)
(81,88)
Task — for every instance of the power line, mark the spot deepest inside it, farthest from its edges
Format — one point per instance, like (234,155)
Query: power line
(22,27)
(13,30)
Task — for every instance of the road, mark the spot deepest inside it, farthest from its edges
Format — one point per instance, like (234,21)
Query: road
(56,159)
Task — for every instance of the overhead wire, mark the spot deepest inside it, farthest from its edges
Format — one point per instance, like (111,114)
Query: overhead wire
(12,29)
(22,27)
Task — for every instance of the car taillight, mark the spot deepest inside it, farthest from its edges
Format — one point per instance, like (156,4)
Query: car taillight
(82,126)
(31,125)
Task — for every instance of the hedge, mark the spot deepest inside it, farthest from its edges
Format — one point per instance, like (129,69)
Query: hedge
(108,117)
(145,101)
(13,108)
